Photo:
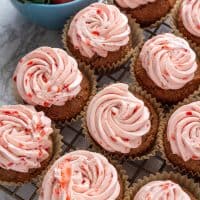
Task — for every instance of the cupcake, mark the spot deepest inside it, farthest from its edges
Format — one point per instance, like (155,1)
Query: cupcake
(26,146)
(99,35)
(165,186)
(167,68)
(188,20)
(146,12)
(121,122)
(181,139)
(82,175)
(50,79)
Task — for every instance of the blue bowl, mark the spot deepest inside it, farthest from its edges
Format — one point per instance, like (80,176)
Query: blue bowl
(51,16)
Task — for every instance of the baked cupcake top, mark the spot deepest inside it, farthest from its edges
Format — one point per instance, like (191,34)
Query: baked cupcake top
(133,3)
(98,29)
(117,120)
(190,15)
(81,175)
(24,138)
(47,76)
(169,61)
(161,190)
(183,131)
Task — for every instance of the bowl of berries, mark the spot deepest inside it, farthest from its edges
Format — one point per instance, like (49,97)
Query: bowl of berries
(51,14)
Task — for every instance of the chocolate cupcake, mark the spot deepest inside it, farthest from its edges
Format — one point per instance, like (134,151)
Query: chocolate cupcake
(122,123)
(164,186)
(181,139)
(167,68)
(82,175)
(50,79)
(26,146)
(146,12)
(99,35)
(188,20)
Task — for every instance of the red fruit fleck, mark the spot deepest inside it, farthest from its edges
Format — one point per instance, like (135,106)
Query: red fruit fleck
(15,78)
(44,78)
(165,73)
(189,113)
(126,139)
(10,164)
(198,26)
(21,145)
(95,33)
(136,108)
(27,130)
(98,11)
(40,153)
(173,137)
(30,75)
(1,123)
(46,104)
(7,112)
(57,191)
(26,81)
(29,95)
(113,113)
(42,133)
(66,87)
(39,126)
(49,89)
(113,139)
(59,89)
(30,63)
(195,157)
(165,187)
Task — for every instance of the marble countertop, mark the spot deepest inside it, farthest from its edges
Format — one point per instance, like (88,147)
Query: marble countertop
(17,37)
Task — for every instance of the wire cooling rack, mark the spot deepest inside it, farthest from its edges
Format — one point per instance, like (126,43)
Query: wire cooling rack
(73,138)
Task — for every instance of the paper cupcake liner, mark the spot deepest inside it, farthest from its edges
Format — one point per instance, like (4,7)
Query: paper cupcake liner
(190,99)
(188,184)
(173,22)
(157,22)
(118,156)
(57,148)
(137,39)
(123,178)
(133,62)
(89,73)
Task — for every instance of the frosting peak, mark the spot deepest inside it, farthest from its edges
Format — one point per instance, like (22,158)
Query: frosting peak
(183,131)
(24,138)
(161,190)
(169,61)
(98,29)
(117,120)
(190,15)
(81,175)
(47,76)
(133,3)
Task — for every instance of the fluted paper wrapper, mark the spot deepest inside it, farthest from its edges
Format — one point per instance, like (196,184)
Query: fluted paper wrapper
(57,148)
(118,156)
(89,73)
(136,37)
(190,99)
(135,57)
(122,177)
(187,184)
(173,22)
(159,21)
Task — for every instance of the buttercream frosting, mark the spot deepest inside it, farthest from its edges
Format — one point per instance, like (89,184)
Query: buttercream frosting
(133,3)
(24,138)
(98,29)
(117,120)
(183,131)
(169,61)
(161,190)
(47,76)
(81,175)
(190,15)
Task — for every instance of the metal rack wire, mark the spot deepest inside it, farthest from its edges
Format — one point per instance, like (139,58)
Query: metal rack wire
(74,139)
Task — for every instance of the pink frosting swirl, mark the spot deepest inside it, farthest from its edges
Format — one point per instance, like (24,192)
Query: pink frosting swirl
(161,190)
(24,138)
(81,175)
(99,29)
(133,3)
(117,120)
(169,61)
(47,76)
(183,131)
(190,14)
